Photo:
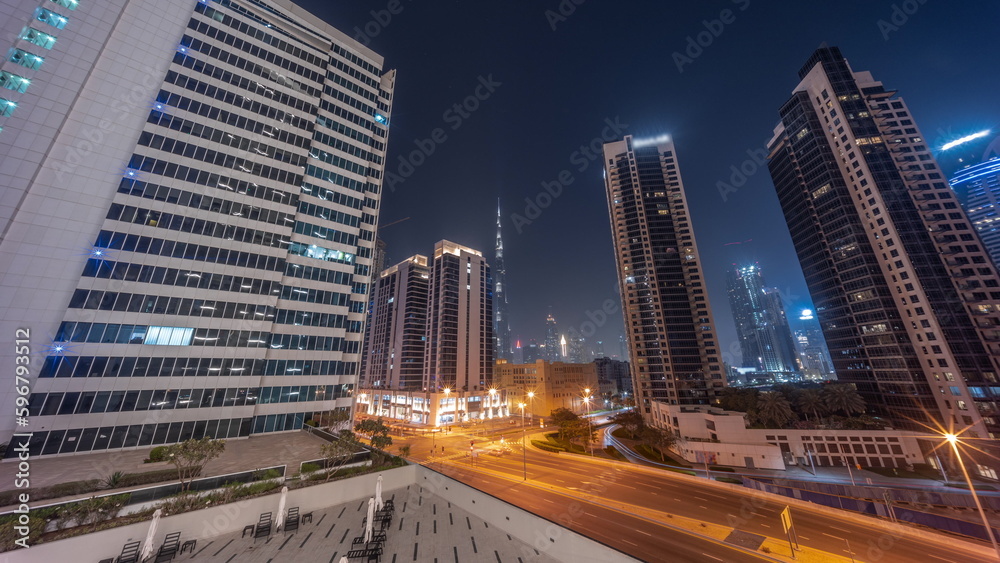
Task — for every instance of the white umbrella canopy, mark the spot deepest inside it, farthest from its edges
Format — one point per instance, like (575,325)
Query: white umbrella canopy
(147,548)
(370,521)
(378,493)
(281,508)
(343,560)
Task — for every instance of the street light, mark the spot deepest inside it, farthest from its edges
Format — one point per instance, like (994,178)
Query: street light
(590,433)
(493,408)
(953,440)
(524,450)
(447,394)
(531,401)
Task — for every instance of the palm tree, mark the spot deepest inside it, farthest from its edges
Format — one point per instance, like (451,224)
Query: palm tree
(773,407)
(810,400)
(843,398)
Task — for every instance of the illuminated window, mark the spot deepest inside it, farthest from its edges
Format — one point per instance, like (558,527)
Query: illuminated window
(168,336)
(13,82)
(822,191)
(39,38)
(7,107)
(51,18)
(25,59)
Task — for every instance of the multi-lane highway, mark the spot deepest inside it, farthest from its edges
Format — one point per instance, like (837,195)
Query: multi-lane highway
(594,497)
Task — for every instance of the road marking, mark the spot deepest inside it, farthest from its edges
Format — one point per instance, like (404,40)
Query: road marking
(939,558)
(627,486)
(829,536)
(560,480)
(647,533)
(765,525)
(699,498)
(630,543)
(677,499)
(548,501)
(705,507)
(841,529)
(716,496)
(805,538)
(710,557)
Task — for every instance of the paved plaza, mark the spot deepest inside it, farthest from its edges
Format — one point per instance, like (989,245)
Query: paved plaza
(425,527)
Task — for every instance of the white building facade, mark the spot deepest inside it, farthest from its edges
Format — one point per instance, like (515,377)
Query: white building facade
(190,193)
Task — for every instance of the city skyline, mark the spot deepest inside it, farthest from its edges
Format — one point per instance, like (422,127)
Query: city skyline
(566,96)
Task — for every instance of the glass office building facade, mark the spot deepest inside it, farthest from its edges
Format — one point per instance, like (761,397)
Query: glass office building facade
(191,194)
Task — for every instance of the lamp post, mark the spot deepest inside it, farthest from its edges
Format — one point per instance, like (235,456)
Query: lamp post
(953,440)
(531,403)
(447,395)
(493,408)
(590,432)
(524,450)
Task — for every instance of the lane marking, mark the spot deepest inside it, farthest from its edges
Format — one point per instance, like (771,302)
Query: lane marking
(646,533)
(705,507)
(630,543)
(841,529)
(711,557)
(829,536)
(765,525)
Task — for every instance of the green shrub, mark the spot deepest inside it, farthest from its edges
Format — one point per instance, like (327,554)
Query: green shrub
(264,475)
(614,453)
(547,446)
(310,467)
(157,454)
(312,423)
(732,480)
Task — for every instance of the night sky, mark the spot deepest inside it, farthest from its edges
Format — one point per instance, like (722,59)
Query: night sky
(607,60)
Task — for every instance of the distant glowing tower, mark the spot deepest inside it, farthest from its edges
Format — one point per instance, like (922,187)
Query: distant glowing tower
(501,322)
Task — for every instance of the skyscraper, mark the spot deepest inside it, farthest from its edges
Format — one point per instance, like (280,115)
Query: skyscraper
(552,349)
(673,347)
(980,186)
(394,350)
(904,290)
(765,338)
(190,196)
(501,321)
(813,355)
(460,341)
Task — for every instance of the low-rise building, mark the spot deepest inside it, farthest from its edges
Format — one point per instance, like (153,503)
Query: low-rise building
(720,437)
(545,386)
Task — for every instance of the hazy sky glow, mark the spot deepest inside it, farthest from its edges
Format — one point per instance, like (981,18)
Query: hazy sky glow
(542,99)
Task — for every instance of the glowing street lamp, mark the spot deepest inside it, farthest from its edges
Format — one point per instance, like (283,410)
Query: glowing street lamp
(953,440)
(586,401)
(531,401)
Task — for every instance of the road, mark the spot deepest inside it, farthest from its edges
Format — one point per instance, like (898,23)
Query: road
(651,489)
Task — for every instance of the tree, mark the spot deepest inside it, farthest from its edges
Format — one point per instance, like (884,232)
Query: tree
(378,436)
(631,421)
(740,400)
(191,455)
(810,401)
(404,450)
(774,409)
(580,430)
(662,439)
(843,398)
(562,418)
(339,452)
(334,418)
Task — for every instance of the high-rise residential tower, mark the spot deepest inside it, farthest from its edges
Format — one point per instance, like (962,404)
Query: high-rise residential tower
(394,349)
(765,338)
(673,346)
(460,345)
(980,185)
(906,295)
(189,197)
(501,320)
(552,350)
